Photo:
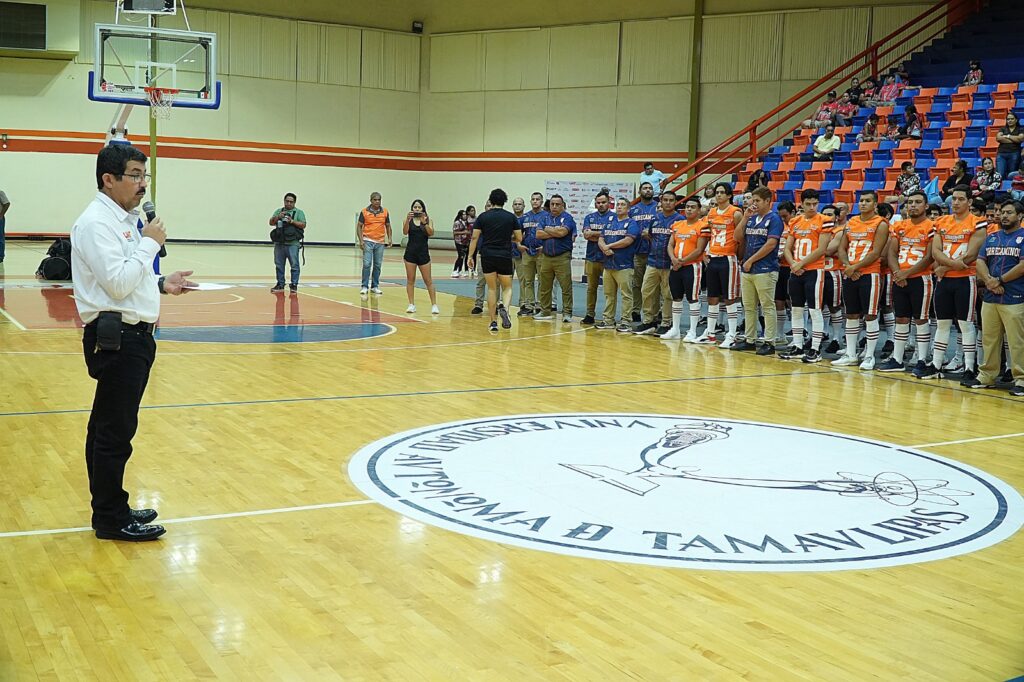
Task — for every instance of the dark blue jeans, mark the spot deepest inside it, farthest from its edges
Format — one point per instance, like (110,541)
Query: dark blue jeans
(3,223)
(1005,164)
(291,253)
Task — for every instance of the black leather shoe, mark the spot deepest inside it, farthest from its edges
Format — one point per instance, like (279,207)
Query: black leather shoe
(766,349)
(133,532)
(743,345)
(143,516)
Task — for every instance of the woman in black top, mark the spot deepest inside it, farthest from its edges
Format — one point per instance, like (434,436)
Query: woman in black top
(493,235)
(418,228)
(959,176)
(758,178)
(1009,138)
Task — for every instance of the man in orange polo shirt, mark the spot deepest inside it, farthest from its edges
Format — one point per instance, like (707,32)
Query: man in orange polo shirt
(373,234)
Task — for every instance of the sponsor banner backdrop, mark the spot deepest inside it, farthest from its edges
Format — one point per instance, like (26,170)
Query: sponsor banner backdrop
(579,201)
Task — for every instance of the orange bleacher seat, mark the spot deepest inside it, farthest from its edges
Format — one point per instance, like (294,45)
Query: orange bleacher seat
(849,185)
(814,176)
(988,151)
(791,156)
(868,146)
(884,111)
(843,130)
(958,124)
(965,90)
(962,97)
(821,165)
(861,154)
(942,166)
(928,92)
(901,155)
(945,152)
(956,115)
(742,177)
(786,166)
(1006,87)
(752,166)
(860,164)
(923,108)
(853,175)
(910,143)
(1002,99)
(889,187)
(892,173)
(959,106)
(952,133)
(776,185)
(845,196)
(811,184)
(921,102)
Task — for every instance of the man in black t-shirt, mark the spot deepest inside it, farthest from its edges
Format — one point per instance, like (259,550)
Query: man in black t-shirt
(493,234)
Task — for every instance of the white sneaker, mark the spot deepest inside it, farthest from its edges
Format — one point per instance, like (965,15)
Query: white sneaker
(869,362)
(455,274)
(434,310)
(377,291)
(846,361)
(362,292)
(728,342)
(672,333)
(411,308)
(690,337)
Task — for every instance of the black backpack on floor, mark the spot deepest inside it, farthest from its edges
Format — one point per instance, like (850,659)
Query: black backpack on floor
(57,264)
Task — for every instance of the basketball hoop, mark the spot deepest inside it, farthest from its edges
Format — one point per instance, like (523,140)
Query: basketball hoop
(160,101)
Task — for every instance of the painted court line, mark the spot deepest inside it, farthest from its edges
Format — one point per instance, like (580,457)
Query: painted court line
(969,440)
(12,320)
(408,394)
(189,519)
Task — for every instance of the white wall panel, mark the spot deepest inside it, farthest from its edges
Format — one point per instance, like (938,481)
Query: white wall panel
(515,121)
(815,43)
(584,56)
(581,119)
(457,63)
(742,47)
(652,117)
(516,60)
(391,61)
(277,40)
(452,121)
(656,51)
(245,50)
(885,20)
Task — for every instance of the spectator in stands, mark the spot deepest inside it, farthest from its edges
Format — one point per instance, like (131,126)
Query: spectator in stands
(846,109)
(743,200)
(887,94)
(653,176)
(992,213)
(974,76)
(1009,138)
(892,127)
(867,90)
(758,178)
(978,207)
(902,77)
(869,133)
(825,113)
(934,212)
(958,176)
(908,181)
(1017,188)
(826,145)
(911,126)
(987,181)
(855,91)
(707,200)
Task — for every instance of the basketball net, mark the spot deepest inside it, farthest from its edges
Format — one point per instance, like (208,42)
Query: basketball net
(160,101)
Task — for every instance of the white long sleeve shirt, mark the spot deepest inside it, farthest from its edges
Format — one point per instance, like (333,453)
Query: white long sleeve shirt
(112,264)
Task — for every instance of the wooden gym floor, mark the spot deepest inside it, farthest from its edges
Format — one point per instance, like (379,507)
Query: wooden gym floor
(276,567)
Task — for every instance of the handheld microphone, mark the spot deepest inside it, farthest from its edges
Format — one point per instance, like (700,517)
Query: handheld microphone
(150,211)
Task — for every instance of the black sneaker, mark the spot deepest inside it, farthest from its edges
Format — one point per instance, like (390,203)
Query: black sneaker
(636,317)
(812,356)
(658,331)
(832,348)
(702,322)
(525,311)
(477,310)
(588,319)
(887,349)
(969,378)
(645,328)
(1017,391)
(506,321)
(624,328)
(791,353)
(601,324)
(743,345)
(766,349)
(891,365)
(926,372)
(493,327)
(277,288)
(918,367)
(1006,377)
(742,327)
(293,287)
(554,308)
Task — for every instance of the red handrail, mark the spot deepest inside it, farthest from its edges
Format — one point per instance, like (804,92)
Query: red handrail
(952,11)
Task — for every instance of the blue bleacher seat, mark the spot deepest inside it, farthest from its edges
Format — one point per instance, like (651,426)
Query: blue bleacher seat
(934,117)
(1006,186)
(928,145)
(877,185)
(856,129)
(931,133)
(976,130)
(824,196)
(882,154)
(979,117)
(911,92)
(921,153)
(792,185)
(784,195)
(859,120)
(831,184)
(803,166)
(865,112)
(884,163)
(922,164)
(941,107)
(796,176)
(884,145)
(842,155)
(986,88)
(946,92)
(849,138)
(840,164)
(779,150)
(971,143)
(777,158)
(874,175)
(849,147)
(982,102)
(904,101)
(770,165)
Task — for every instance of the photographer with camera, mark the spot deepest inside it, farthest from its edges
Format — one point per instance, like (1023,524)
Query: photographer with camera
(289,226)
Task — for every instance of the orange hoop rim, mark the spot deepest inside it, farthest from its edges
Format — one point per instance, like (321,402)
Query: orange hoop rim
(155,90)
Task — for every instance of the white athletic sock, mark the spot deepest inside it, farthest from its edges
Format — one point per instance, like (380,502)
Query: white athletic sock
(826,316)
(780,323)
(817,328)
(924,337)
(889,322)
(694,317)
(838,323)
(872,336)
(798,326)
(970,334)
(712,318)
(852,332)
(941,336)
(677,315)
(899,343)
(958,356)
(732,313)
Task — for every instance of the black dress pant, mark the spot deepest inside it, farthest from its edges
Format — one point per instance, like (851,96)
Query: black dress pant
(121,377)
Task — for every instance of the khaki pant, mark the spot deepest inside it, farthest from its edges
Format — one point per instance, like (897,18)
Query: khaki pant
(526,268)
(656,295)
(756,289)
(639,270)
(593,272)
(614,282)
(998,319)
(552,267)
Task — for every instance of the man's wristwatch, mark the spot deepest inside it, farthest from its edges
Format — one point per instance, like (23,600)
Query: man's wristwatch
(160,285)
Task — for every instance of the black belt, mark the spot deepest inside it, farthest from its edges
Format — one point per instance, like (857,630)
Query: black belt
(144,327)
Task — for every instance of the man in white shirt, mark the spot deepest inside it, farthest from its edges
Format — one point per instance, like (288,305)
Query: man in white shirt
(118,297)
(826,145)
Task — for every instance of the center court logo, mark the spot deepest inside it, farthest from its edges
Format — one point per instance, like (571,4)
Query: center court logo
(688,491)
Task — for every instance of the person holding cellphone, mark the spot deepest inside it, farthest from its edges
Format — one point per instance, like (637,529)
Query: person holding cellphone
(418,228)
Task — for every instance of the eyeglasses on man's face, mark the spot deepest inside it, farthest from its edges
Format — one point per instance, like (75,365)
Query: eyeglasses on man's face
(137,178)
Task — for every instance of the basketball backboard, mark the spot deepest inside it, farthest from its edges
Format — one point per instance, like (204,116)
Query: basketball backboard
(130,59)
